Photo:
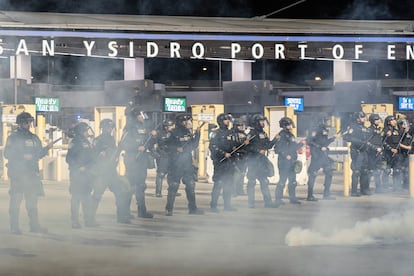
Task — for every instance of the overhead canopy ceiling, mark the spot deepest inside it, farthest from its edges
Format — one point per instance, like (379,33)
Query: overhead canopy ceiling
(203,37)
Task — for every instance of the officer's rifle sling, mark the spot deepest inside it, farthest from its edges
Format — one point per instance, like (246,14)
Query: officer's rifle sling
(236,149)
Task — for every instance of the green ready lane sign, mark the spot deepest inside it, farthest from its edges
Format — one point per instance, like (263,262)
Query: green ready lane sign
(176,104)
(47,104)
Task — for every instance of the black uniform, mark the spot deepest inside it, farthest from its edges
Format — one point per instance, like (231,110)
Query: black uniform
(319,142)
(240,161)
(222,142)
(162,158)
(107,176)
(80,158)
(23,151)
(259,166)
(405,149)
(137,135)
(286,146)
(180,146)
(358,135)
(376,159)
(392,139)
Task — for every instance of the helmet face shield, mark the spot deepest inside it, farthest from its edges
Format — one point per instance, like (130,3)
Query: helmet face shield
(27,121)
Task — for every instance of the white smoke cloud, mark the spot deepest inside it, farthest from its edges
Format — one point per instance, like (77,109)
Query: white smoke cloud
(391,227)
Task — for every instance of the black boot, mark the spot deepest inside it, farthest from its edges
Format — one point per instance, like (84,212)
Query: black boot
(172,190)
(143,213)
(292,193)
(122,208)
(158,185)
(34,223)
(354,186)
(192,206)
(215,194)
(311,183)
(279,195)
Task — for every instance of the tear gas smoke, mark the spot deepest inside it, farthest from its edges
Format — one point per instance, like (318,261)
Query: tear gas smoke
(391,227)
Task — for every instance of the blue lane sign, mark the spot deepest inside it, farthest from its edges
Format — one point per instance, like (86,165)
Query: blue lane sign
(296,103)
(405,103)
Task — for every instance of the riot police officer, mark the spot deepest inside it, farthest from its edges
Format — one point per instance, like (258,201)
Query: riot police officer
(405,149)
(137,142)
(319,142)
(286,146)
(180,146)
(376,159)
(240,157)
(162,157)
(392,140)
(106,173)
(221,145)
(358,135)
(23,151)
(80,158)
(259,166)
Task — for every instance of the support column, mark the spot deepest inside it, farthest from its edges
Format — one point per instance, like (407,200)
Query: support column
(241,71)
(342,71)
(21,67)
(134,69)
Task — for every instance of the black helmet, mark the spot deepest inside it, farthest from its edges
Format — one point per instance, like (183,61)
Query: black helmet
(137,110)
(238,122)
(24,117)
(256,119)
(388,119)
(373,117)
(221,117)
(106,123)
(403,123)
(359,115)
(285,121)
(81,128)
(181,118)
(326,120)
(167,123)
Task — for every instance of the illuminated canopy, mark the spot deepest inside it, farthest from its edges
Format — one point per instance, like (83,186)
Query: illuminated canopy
(132,36)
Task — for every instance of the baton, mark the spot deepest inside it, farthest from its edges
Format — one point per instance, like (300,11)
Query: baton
(236,149)
(54,142)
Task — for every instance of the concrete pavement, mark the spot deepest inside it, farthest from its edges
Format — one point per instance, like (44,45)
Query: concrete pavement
(246,242)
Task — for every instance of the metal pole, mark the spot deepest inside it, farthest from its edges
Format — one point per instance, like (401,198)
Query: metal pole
(347,174)
(15,79)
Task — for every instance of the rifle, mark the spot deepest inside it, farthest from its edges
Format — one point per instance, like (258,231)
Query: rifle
(193,136)
(237,148)
(399,144)
(146,142)
(45,149)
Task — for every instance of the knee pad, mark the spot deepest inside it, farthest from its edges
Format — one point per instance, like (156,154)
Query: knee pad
(173,186)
